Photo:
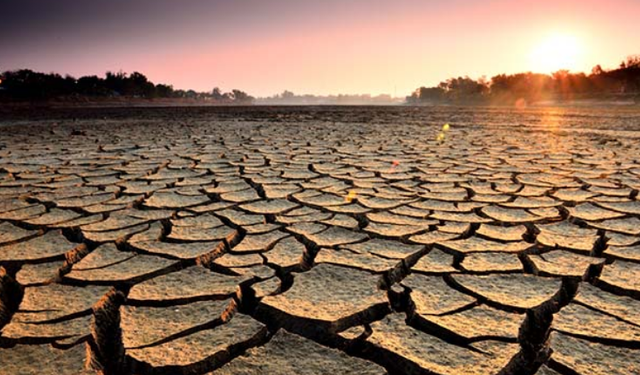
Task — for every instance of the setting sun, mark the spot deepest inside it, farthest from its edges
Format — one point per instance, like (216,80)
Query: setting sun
(559,51)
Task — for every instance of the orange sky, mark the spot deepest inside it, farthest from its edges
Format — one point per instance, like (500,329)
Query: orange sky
(374,46)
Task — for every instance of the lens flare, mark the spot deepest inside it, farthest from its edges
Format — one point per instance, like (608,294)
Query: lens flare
(350,197)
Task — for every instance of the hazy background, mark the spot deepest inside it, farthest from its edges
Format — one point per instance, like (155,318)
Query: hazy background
(321,47)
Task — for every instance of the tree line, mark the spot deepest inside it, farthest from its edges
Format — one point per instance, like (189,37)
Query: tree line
(621,82)
(289,98)
(27,85)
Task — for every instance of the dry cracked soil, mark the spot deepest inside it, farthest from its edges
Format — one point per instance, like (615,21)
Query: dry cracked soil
(349,240)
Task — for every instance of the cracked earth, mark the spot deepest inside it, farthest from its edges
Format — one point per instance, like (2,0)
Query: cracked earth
(312,241)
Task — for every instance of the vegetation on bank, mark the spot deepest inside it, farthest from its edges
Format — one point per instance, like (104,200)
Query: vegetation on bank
(289,98)
(27,85)
(521,88)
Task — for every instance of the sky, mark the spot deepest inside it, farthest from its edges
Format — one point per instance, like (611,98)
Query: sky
(316,47)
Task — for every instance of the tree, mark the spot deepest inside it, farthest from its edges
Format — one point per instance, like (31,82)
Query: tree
(216,94)
(633,61)
(430,94)
(164,91)
(138,85)
(597,70)
(288,95)
(116,82)
(462,89)
(241,96)
(92,86)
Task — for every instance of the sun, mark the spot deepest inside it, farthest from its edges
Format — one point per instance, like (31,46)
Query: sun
(556,52)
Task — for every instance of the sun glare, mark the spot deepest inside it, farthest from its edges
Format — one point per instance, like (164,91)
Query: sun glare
(556,52)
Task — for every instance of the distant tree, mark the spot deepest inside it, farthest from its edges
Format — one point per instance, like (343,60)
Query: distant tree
(116,82)
(427,95)
(68,85)
(633,61)
(462,89)
(216,94)
(597,70)
(138,85)
(164,91)
(287,95)
(91,86)
(241,97)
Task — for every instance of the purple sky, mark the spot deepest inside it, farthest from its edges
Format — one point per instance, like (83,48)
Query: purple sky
(321,47)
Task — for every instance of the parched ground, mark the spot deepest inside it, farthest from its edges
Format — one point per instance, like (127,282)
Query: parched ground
(320,240)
